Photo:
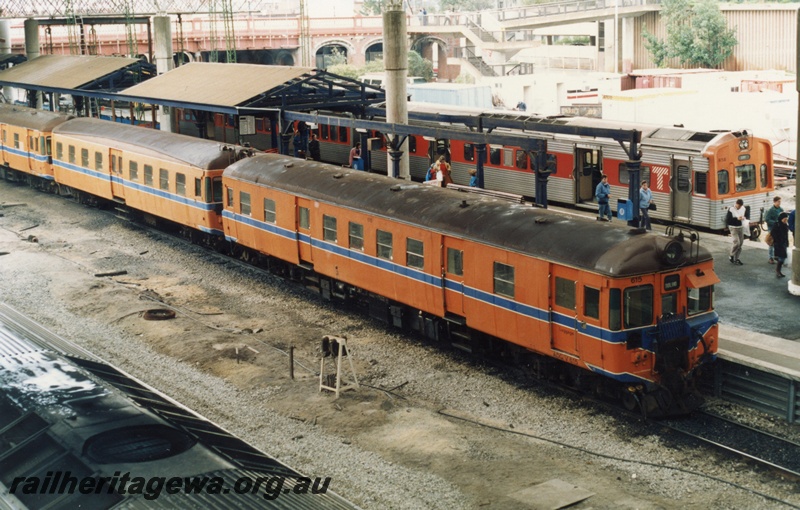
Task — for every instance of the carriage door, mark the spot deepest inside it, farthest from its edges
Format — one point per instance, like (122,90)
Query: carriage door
(453,283)
(564,309)
(117,180)
(681,189)
(439,147)
(304,209)
(588,170)
(31,151)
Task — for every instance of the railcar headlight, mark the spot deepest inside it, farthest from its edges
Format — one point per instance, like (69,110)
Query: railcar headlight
(673,253)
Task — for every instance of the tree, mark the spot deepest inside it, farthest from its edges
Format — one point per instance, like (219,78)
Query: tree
(697,34)
(372,8)
(417,66)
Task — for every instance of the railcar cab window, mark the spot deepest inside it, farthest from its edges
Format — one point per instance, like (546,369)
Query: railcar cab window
(148,175)
(356,234)
(415,253)
(329,232)
(85,158)
(229,197)
(71,152)
(700,300)
(384,245)
(469,152)
(723,185)
(163,179)
(565,293)
(745,178)
(244,203)
(591,302)
(624,176)
(455,262)
(638,306)
(269,210)
(304,218)
(764,176)
(669,300)
(503,279)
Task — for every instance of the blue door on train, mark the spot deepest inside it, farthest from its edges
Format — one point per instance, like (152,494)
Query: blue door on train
(681,190)
(588,171)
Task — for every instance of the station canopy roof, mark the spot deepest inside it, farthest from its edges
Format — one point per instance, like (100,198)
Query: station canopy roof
(63,73)
(247,88)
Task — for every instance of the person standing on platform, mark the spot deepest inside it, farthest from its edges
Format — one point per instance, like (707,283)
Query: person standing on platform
(645,198)
(355,157)
(473,178)
(603,194)
(297,141)
(735,221)
(780,237)
(771,217)
(313,148)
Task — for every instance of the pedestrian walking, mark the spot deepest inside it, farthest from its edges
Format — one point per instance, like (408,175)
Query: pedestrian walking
(771,217)
(736,222)
(645,199)
(355,157)
(780,238)
(603,194)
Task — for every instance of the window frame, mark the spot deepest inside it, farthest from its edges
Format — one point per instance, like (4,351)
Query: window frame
(133,170)
(384,244)
(163,179)
(270,211)
(355,239)
(180,184)
(244,204)
(415,259)
(330,230)
(501,284)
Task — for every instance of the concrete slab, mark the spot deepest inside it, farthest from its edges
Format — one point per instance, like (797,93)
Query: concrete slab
(551,495)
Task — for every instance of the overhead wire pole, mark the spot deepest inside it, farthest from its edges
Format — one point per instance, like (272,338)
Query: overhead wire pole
(230,34)
(213,55)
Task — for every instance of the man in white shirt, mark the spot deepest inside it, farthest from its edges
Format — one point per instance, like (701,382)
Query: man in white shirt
(736,223)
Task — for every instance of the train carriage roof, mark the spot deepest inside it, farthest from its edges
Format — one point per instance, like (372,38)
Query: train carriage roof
(40,120)
(197,152)
(567,239)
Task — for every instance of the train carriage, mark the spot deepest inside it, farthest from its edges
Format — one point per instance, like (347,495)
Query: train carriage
(695,176)
(174,177)
(635,308)
(25,144)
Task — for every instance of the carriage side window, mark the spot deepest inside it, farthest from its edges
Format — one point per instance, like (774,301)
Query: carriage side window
(522,160)
(324,131)
(229,197)
(745,178)
(133,170)
(180,184)
(163,179)
(269,210)
(508,158)
(412,144)
(638,306)
(415,253)
(244,203)
(59,151)
(329,232)
(198,187)
(85,158)
(624,176)
(684,178)
(503,279)
(304,218)
(71,154)
(723,188)
(384,245)
(343,134)
(469,152)
(455,262)
(494,155)
(591,302)
(764,176)
(16,140)
(614,309)
(356,231)
(700,299)
(98,160)
(148,175)
(565,293)
(700,183)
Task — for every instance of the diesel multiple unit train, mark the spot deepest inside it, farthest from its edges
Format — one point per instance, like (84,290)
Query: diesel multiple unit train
(619,311)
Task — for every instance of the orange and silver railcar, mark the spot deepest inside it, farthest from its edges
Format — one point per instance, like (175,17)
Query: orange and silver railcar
(165,175)
(25,143)
(615,306)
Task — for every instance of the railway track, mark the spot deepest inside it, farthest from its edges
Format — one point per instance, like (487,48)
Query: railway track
(769,451)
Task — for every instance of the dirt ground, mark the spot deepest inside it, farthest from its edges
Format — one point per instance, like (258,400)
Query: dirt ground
(236,326)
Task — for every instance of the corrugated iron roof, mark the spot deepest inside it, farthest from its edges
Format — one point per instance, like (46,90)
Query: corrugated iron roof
(215,84)
(64,71)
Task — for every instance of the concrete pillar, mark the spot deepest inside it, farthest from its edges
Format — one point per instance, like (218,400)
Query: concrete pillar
(5,49)
(32,48)
(163,61)
(794,281)
(395,54)
(627,44)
